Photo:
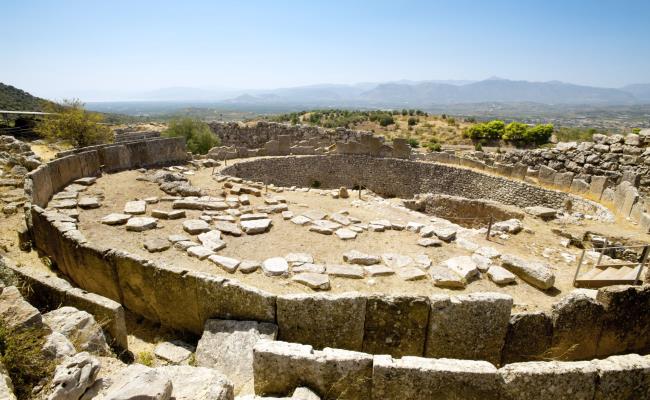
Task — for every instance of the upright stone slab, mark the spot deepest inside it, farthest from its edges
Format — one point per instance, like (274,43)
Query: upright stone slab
(322,320)
(469,326)
(281,367)
(396,325)
(227,346)
(626,321)
(550,380)
(417,378)
(528,338)
(597,186)
(577,323)
(562,180)
(546,175)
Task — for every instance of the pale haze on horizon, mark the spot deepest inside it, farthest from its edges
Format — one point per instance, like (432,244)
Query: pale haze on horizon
(86,49)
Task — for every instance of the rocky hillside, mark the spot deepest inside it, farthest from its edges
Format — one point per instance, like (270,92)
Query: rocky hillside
(14,99)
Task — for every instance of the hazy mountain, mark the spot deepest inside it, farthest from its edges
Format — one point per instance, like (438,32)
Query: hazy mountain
(640,90)
(14,99)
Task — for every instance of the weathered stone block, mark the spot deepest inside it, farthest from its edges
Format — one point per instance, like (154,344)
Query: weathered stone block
(416,378)
(281,367)
(550,380)
(623,378)
(546,175)
(396,325)
(528,338)
(563,180)
(322,320)
(577,323)
(469,326)
(626,323)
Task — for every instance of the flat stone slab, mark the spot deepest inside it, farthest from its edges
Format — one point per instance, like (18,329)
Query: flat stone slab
(308,267)
(226,263)
(345,234)
(173,214)
(88,202)
(542,212)
(463,266)
(396,260)
(199,252)
(228,228)
(313,280)
(429,242)
(184,244)
(314,215)
(135,207)
(174,352)
(324,227)
(250,217)
(227,346)
(115,219)
(414,227)
(300,220)
(177,238)
(340,219)
(382,222)
(378,270)
(87,181)
(411,273)
(357,257)
(275,266)
(195,226)
(256,226)
(535,273)
(345,271)
(155,245)
(299,258)
(287,215)
(139,224)
(488,251)
(422,261)
(446,278)
(500,275)
(445,233)
(249,266)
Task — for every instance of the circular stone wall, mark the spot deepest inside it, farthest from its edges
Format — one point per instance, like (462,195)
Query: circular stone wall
(397,178)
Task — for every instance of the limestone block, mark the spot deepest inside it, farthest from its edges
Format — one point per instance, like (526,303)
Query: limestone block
(469,326)
(577,322)
(227,346)
(191,383)
(417,378)
(396,325)
(546,175)
(322,320)
(280,367)
(17,313)
(626,326)
(528,338)
(80,328)
(537,274)
(551,380)
(579,186)
(623,377)
(562,180)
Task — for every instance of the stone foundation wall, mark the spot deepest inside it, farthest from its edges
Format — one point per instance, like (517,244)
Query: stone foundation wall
(476,326)
(401,178)
(280,367)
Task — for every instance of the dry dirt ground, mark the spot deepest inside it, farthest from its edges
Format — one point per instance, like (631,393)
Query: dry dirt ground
(537,242)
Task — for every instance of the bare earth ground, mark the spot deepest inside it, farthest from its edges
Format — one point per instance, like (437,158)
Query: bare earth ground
(286,237)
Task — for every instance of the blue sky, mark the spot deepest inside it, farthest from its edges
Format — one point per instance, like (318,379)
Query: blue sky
(67,48)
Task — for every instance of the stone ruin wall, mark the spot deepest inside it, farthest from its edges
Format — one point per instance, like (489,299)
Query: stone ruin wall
(481,326)
(275,139)
(398,178)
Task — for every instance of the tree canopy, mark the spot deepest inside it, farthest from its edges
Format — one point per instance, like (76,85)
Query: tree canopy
(72,123)
(198,135)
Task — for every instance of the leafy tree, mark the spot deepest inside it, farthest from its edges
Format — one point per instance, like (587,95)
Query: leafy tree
(72,123)
(412,121)
(198,136)
(539,134)
(405,112)
(515,131)
(386,120)
(494,129)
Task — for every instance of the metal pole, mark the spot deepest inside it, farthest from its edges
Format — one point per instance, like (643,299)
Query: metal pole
(487,237)
(644,258)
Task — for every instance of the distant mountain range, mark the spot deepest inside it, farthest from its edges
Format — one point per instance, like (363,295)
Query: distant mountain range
(430,93)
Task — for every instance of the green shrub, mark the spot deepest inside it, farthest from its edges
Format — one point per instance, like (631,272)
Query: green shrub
(412,121)
(145,358)
(539,134)
(21,353)
(386,120)
(478,146)
(636,131)
(198,136)
(434,146)
(72,123)
(515,131)
(413,142)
